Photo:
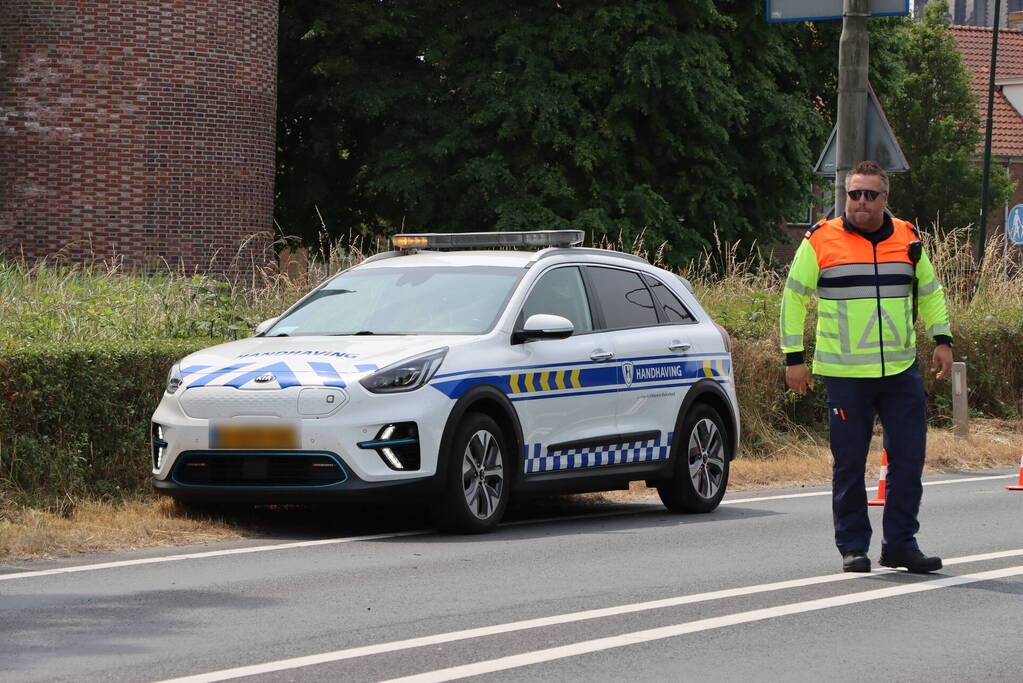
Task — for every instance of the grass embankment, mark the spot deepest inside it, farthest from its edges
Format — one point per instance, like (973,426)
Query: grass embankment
(56,498)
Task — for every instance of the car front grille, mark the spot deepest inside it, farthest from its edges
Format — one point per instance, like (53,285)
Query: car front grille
(258,468)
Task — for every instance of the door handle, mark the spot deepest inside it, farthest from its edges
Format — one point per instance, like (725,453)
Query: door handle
(601,354)
(677,346)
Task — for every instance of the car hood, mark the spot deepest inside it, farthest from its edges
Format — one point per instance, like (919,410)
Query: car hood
(280,362)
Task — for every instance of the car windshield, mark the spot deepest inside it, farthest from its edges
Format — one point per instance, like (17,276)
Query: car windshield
(404,300)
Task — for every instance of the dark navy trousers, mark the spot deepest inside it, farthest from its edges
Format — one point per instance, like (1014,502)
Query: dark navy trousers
(900,403)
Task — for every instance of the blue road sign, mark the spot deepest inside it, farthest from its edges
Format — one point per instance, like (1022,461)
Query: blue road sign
(1014,228)
(810,10)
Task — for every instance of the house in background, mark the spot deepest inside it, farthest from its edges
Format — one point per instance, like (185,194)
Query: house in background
(974,43)
(974,12)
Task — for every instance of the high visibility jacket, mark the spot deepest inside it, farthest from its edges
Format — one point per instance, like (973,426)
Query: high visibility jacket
(865,300)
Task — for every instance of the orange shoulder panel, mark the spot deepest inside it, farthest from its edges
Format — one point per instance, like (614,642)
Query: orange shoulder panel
(835,246)
(896,248)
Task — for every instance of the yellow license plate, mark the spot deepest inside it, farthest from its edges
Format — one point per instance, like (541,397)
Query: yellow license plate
(254,435)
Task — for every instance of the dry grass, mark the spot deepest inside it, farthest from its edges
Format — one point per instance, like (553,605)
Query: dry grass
(96,527)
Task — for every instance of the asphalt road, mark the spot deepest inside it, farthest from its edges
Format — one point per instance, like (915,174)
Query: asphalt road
(753,591)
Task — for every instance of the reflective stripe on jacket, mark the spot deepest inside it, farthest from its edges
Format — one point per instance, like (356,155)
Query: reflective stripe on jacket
(865,300)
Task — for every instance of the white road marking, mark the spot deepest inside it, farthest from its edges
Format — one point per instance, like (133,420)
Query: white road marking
(196,556)
(420,532)
(528,658)
(571,617)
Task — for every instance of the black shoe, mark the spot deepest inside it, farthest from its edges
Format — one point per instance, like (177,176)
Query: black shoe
(913,560)
(855,562)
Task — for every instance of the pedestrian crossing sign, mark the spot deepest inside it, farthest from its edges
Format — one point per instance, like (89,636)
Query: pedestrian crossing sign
(1014,226)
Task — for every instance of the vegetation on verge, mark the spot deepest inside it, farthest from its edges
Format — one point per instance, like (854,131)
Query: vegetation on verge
(84,353)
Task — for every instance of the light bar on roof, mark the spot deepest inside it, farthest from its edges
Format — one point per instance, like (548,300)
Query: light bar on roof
(487,240)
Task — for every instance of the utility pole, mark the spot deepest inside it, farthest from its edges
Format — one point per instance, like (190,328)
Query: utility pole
(853,60)
(987,139)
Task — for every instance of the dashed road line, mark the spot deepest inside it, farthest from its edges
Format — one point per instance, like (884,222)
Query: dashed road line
(572,617)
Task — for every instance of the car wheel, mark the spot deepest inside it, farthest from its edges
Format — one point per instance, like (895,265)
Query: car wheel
(701,463)
(476,492)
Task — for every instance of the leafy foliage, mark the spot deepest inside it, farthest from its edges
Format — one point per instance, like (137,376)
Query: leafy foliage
(934,115)
(74,417)
(648,118)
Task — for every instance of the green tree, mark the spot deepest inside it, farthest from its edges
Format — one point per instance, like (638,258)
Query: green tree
(934,115)
(647,118)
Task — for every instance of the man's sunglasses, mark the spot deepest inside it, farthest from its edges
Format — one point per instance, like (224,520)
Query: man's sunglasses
(871,194)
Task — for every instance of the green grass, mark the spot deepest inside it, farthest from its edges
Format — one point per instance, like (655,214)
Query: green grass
(58,303)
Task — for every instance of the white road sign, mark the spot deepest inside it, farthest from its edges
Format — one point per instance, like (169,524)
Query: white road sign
(882,146)
(808,10)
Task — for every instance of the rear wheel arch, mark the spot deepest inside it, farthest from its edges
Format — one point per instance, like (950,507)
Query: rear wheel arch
(710,393)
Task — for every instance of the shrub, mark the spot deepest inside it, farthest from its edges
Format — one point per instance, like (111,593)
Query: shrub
(75,417)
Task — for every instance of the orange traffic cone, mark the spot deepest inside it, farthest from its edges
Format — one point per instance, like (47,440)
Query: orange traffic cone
(1019,484)
(880,482)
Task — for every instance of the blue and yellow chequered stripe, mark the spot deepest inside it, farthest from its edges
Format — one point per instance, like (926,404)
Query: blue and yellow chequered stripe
(596,456)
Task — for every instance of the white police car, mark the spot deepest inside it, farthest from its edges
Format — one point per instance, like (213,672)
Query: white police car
(461,378)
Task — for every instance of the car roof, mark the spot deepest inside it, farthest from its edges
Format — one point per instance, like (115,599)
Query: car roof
(507,258)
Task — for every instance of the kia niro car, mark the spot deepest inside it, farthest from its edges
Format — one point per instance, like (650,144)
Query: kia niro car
(460,370)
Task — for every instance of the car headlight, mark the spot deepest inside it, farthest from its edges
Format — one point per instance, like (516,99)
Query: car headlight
(406,375)
(174,378)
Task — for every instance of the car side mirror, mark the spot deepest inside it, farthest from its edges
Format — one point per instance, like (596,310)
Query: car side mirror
(543,326)
(264,326)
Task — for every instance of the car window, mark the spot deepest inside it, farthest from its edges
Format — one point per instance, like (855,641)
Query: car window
(672,310)
(404,300)
(560,292)
(624,299)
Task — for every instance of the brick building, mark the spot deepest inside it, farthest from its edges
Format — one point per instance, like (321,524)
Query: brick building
(140,130)
(1007,107)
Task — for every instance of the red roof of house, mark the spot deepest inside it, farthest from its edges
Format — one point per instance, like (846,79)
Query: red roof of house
(974,43)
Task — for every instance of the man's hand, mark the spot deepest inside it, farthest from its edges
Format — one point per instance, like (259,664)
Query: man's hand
(800,380)
(942,361)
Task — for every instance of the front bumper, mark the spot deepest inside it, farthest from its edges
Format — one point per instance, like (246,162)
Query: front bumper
(335,456)
(353,489)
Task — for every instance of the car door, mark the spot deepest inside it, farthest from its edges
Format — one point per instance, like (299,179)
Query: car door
(564,390)
(653,342)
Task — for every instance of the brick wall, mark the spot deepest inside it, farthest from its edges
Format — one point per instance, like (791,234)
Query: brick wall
(140,130)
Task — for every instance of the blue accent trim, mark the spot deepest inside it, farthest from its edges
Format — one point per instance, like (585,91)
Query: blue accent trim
(329,373)
(333,457)
(560,394)
(579,365)
(366,367)
(376,444)
(206,379)
(192,369)
(645,387)
(284,375)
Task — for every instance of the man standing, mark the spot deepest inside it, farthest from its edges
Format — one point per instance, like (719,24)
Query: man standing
(871,277)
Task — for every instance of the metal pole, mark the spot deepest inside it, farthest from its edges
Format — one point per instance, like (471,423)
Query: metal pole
(987,138)
(853,60)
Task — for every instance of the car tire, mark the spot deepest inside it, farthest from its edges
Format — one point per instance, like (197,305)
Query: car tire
(477,489)
(700,453)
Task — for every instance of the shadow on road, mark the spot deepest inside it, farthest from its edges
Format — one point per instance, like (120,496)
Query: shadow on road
(525,517)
